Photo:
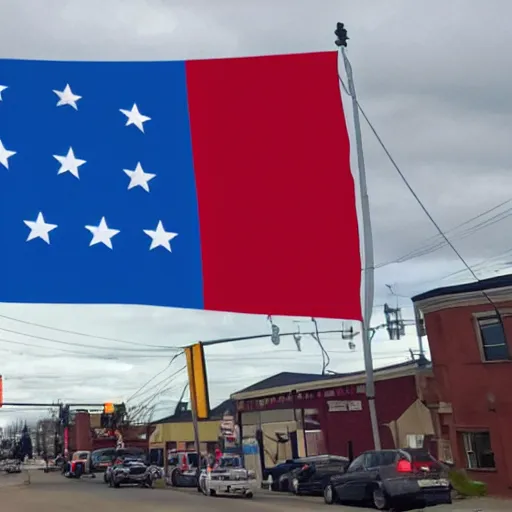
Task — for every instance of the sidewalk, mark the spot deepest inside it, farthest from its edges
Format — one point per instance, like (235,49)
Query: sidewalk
(481,505)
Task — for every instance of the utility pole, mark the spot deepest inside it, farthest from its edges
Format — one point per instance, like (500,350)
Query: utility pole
(368,258)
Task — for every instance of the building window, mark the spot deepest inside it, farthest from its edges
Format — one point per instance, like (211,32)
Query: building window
(414,441)
(494,341)
(479,454)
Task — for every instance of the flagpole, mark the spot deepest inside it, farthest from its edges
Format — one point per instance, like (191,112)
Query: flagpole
(368,257)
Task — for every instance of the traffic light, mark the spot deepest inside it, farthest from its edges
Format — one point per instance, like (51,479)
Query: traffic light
(108,408)
(120,410)
(64,415)
(341,35)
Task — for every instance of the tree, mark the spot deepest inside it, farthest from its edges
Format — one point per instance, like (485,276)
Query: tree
(25,444)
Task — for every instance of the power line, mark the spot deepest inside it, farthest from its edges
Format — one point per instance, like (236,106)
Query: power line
(107,357)
(95,347)
(469,232)
(481,266)
(155,376)
(75,352)
(437,243)
(422,205)
(163,382)
(77,333)
(144,410)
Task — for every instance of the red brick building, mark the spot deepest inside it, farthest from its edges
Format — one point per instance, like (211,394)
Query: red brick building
(470,349)
(321,414)
(85,434)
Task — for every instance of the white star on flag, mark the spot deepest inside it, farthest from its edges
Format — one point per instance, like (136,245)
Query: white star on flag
(160,237)
(5,154)
(66,97)
(102,234)
(139,178)
(39,229)
(69,163)
(135,117)
(2,88)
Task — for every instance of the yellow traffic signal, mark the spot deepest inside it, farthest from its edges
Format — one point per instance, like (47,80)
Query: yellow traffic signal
(108,408)
(198,382)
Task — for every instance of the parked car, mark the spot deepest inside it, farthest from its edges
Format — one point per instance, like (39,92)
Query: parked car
(389,478)
(279,475)
(132,471)
(182,469)
(422,460)
(312,477)
(228,476)
(79,465)
(11,466)
(101,459)
(119,459)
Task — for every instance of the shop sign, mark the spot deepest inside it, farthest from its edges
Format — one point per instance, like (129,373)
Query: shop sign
(287,399)
(344,405)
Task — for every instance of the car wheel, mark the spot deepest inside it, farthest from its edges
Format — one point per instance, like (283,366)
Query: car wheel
(212,492)
(380,500)
(249,495)
(174,477)
(329,494)
(283,483)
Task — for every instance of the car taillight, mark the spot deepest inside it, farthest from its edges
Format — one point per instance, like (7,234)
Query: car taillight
(404,466)
(305,467)
(184,465)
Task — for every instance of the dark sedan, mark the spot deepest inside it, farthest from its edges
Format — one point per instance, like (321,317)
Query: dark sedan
(281,474)
(389,478)
(313,476)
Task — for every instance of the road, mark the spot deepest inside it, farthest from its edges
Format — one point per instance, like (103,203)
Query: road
(53,493)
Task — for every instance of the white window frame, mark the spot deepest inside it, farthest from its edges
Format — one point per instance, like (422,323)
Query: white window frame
(469,449)
(489,318)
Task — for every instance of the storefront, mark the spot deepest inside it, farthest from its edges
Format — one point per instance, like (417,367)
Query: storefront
(323,415)
(176,432)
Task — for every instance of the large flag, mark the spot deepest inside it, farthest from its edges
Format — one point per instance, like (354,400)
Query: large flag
(215,184)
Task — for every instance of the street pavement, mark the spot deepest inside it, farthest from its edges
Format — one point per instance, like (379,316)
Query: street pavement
(54,493)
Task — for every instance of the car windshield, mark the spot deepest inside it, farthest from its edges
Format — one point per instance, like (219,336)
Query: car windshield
(102,455)
(230,462)
(192,459)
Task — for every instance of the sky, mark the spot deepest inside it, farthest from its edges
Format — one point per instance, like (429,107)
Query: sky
(433,78)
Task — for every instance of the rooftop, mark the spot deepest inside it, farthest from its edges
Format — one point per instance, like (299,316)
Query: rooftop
(186,416)
(286,381)
(476,286)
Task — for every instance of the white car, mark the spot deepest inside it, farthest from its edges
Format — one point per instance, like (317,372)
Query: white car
(228,477)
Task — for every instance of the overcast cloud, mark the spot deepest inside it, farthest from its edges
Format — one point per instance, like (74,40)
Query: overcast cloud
(434,78)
